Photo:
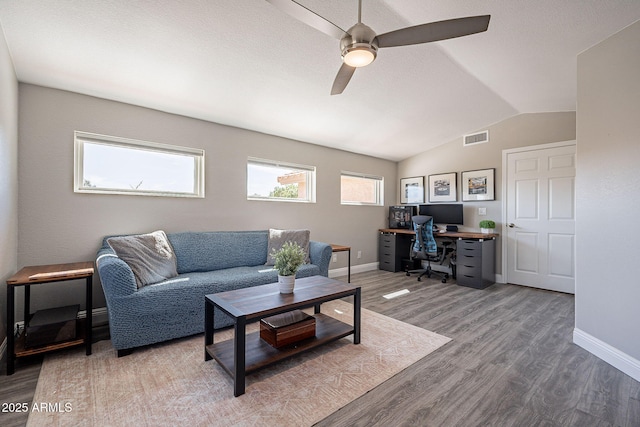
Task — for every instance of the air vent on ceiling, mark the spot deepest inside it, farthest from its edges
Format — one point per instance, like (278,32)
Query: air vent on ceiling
(475,138)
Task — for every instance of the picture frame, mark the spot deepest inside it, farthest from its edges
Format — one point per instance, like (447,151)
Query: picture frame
(412,190)
(478,185)
(443,187)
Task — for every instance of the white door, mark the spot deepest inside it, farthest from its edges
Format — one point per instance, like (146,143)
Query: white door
(539,223)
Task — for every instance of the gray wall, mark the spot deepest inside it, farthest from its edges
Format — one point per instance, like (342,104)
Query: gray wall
(58,225)
(608,200)
(519,131)
(8,175)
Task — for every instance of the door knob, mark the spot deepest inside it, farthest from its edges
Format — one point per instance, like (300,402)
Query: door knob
(511,225)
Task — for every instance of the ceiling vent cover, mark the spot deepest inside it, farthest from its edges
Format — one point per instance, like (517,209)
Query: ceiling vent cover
(475,138)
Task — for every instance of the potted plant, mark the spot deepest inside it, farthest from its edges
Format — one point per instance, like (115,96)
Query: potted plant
(487,226)
(287,261)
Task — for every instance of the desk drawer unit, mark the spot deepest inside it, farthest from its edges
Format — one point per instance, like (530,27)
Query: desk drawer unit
(391,249)
(475,263)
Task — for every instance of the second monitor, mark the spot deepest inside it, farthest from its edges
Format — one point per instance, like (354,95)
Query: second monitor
(444,213)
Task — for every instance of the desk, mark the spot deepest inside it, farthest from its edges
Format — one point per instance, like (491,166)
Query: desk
(448,234)
(475,264)
(340,248)
(35,275)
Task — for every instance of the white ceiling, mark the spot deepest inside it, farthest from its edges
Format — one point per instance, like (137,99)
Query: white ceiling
(245,63)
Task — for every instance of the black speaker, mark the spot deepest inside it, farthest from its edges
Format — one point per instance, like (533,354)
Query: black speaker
(452,228)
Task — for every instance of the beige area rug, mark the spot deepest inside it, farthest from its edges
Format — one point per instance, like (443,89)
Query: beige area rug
(170,384)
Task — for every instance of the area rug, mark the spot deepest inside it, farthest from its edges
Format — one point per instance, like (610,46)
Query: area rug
(170,384)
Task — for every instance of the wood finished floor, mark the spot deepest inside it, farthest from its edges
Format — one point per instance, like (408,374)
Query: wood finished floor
(511,363)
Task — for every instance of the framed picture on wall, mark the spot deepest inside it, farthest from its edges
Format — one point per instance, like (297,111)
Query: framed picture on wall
(412,190)
(442,187)
(478,185)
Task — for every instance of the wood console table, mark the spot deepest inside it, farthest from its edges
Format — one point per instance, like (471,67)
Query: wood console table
(246,353)
(39,274)
(342,248)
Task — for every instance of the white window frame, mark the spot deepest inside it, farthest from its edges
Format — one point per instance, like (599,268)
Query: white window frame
(80,138)
(310,180)
(379,182)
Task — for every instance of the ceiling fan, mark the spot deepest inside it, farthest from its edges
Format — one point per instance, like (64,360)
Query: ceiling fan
(359,44)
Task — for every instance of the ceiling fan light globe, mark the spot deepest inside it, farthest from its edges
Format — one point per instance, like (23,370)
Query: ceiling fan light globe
(358,56)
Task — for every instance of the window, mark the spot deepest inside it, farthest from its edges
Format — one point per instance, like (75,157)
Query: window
(361,189)
(108,164)
(271,180)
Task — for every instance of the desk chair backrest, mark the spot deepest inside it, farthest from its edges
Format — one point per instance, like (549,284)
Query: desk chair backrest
(425,243)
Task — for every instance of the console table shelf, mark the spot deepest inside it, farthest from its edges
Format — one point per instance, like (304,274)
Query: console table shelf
(259,354)
(47,275)
(22,351)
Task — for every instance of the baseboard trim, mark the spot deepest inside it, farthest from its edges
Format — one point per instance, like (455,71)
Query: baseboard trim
(360,268)
(609,354)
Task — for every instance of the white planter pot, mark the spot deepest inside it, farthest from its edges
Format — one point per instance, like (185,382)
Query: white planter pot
(286,283)
(487,230)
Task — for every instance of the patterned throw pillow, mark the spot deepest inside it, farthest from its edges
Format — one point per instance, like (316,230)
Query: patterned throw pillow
(150,256)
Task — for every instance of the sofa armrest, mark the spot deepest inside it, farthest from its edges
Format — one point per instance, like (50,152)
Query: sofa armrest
(320,255)
(115,275)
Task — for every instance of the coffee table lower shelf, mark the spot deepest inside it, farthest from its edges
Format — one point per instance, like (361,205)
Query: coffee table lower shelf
(259,353)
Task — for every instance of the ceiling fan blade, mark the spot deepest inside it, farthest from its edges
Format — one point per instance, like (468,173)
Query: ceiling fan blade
(434,31)
(309,17)
(342,79)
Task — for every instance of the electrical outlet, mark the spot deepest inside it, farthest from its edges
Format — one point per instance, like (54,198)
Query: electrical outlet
(359,254)
(335,258)
(482,211)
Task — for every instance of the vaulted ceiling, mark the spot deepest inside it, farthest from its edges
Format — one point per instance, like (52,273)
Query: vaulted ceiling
(245,63)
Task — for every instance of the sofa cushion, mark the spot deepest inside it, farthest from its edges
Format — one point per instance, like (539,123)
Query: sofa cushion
(277,238)
(216,250)
(150,256)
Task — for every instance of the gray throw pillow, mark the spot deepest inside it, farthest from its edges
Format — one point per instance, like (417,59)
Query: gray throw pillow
(277,238)
(150,256)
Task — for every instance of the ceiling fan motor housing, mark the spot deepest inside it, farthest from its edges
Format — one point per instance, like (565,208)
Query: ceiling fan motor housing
(359,37)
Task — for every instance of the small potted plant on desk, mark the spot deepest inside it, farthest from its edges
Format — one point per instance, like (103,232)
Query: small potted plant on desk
(287,261)
(487,226)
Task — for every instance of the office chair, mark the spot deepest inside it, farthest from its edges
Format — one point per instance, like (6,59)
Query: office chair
(424,247)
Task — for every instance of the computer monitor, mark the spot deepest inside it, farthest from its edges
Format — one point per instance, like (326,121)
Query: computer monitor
(444,213)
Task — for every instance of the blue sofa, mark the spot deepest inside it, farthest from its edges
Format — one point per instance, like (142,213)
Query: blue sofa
(207,263)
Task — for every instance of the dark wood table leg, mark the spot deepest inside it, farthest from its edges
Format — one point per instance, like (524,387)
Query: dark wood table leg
(27,306)
(356,316)
(239,356)
(89,319)
(349,267)
(208,327)
(11,339)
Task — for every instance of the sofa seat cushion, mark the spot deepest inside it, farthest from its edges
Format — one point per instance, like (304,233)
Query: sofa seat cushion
(226,279)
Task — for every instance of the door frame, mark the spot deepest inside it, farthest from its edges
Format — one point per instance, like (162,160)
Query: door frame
(505,153)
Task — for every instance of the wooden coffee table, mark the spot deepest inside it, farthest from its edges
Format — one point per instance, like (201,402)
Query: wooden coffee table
(247,353)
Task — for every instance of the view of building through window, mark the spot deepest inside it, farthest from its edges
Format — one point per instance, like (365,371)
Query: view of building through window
(360,189)
(270,180)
